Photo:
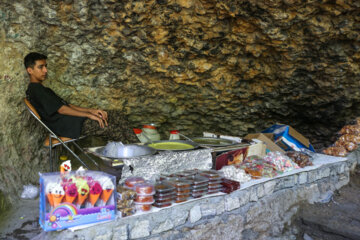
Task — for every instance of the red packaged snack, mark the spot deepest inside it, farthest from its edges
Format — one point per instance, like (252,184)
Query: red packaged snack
(164,200)
(131,181)
(144,188)
(181,199)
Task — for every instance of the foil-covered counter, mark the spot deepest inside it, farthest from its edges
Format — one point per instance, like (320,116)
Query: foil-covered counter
(151,166)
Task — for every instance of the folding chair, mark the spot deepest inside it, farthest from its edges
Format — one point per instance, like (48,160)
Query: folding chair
(52,140)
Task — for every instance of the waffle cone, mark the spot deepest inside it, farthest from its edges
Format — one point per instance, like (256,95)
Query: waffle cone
(69,198)
(57,198)
(93,198)
(105,195)
(50,198)
(81,199)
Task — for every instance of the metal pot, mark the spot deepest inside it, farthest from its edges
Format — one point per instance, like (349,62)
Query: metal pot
(126,151)
(170,145)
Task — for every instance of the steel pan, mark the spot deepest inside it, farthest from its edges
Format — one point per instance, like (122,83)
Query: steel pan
(126,151)
(213,142)
(170,145)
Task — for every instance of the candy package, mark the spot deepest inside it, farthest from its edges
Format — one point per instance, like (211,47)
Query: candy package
(75,199)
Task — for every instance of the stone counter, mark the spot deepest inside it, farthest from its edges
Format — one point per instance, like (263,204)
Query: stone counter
(259,210)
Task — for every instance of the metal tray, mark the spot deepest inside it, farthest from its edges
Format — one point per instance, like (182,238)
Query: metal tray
(162,142)
(214,142)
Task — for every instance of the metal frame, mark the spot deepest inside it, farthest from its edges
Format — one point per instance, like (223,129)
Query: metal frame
(52,135)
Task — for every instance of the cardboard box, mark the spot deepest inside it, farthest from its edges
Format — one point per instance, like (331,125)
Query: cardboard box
(288,138)
(237,156)
(267,139)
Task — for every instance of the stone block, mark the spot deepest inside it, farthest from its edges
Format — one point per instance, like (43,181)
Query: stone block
(244,197)
(231,203)
(324,172)
(303,178)
(195,214)
(253,194)
(260,190)
(269,187)
(178,216)
(140,230)
(120,233)
(285,182)
(162,227)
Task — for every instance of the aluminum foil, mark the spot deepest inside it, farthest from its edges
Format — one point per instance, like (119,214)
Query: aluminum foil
(150,167)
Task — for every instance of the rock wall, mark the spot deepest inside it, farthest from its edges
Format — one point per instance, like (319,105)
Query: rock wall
(233,67)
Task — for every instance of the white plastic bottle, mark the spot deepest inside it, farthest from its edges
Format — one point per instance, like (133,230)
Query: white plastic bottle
(139,133)
(174,135)
(151,132)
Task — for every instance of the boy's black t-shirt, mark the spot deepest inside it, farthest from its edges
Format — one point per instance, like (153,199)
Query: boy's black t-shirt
(47,103)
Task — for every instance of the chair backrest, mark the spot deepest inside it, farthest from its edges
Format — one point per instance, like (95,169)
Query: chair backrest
(31,108)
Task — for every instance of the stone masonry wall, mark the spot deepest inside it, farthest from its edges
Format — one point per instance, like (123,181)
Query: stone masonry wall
(233,67)
(262,211)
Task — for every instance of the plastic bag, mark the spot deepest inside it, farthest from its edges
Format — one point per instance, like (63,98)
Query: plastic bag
(30,192)
(282,162)
(300,158)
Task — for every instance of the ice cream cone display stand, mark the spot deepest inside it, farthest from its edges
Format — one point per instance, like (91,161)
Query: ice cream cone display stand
(76,198)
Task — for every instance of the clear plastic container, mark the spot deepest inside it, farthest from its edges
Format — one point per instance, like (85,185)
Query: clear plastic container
(138,132)
(161,205)
(164,195)
(180,199)
(131,181)
(144,198)
(144,188)
(163,187)
(143,207)
(211,174)
(165,200)
(179,183)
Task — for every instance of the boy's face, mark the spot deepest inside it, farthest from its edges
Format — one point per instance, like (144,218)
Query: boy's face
(39,72)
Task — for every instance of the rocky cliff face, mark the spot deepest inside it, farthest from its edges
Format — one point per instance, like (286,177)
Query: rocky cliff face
(233,67)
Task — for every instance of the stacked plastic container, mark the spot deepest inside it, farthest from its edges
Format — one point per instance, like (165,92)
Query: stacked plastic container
(144,193)
(215,180)
(164,194)
(145,196)
(199,185)
(182,189)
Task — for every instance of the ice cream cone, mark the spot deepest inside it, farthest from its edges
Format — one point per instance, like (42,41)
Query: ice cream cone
(105,195)
(57,198)
(93,198)
(69,199)
(81,198)
(50,199)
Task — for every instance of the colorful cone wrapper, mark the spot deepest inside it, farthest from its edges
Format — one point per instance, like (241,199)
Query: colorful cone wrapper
(95,190)
(70,193)
(83,190)
(108,188)
(49,189)
(58,194)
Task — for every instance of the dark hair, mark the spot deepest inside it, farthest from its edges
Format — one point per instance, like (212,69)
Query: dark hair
(31,58)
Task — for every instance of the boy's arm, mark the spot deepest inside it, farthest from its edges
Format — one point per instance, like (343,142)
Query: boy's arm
(97,112)
(67,110)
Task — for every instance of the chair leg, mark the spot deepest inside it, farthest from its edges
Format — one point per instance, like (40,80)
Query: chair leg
(76,156)
(50,155)
(87,155)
